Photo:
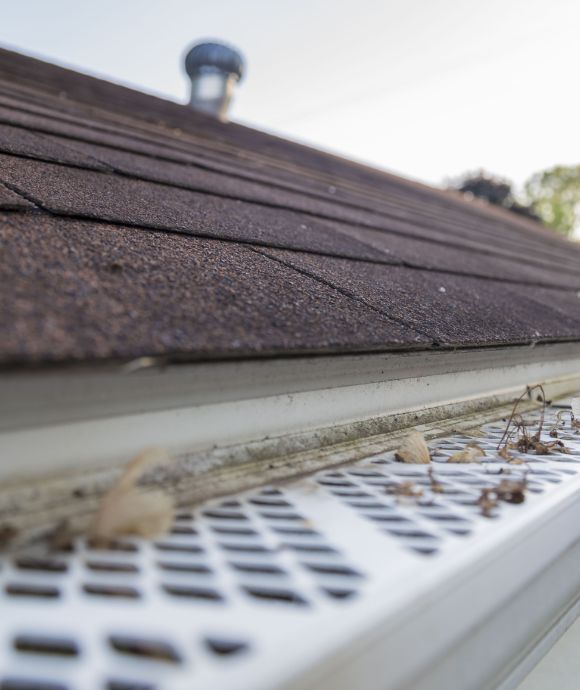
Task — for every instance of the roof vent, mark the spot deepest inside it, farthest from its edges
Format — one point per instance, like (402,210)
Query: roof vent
(214,69)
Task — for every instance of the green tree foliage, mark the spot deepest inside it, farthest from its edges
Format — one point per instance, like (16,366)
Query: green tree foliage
(554,194)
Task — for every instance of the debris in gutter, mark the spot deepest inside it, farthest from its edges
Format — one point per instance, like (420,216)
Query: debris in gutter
(414,450)
(435,486)
(127,509)
(508,490)
(406,489)
(512,490)
(60,537)
(574,421)
(7,533)
(487,501)
(575,414)
(471,453)
(470,433)
(524,441)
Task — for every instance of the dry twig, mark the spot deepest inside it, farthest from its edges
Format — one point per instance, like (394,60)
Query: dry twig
(435,486)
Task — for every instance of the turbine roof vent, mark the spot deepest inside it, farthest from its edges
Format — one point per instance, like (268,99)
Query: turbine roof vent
(213,69)
(214,57)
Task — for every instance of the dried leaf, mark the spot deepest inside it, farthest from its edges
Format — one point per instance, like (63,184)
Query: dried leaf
(542,448)
(406,489)
(487,501)
(60,537)
(470,433)
(504,453)
(127,509)
(508,490)
(512,491)
(414,450)
(471,453)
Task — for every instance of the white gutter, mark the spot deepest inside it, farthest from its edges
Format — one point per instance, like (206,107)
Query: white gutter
(69,420)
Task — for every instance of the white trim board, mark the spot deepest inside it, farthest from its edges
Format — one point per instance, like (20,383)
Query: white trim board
(68,420)
(40,397)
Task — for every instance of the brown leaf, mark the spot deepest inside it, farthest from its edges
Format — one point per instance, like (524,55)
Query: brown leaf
(60,537)
(471,453)
(127,509)
(504,453)
(414,450)
(511,491)
(406,489)
(487,501)
(471,433)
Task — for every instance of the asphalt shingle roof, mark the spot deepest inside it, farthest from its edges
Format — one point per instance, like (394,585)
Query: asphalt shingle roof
(131,226)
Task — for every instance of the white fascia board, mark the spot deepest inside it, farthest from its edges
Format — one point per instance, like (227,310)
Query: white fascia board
(64,420)
(41,397)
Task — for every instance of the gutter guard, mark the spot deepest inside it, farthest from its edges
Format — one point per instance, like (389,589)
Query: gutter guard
(328,582)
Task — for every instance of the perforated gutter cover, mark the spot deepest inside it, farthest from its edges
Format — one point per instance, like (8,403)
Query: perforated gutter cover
(328,582)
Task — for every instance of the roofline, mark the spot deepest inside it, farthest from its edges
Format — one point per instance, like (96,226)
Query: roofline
(88,84)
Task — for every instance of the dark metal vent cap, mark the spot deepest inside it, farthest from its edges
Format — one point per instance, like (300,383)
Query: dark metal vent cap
(213,56)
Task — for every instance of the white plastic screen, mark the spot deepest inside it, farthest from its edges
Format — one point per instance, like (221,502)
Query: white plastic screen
(249,590)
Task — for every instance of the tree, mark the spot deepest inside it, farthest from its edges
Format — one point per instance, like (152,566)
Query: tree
(494,190)
(484,186)
(554,194)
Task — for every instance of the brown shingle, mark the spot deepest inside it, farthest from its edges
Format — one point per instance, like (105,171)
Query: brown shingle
(75,290)
(10,200)
(241,244)
(424,253)
(89,194)
(450,309)
(23,142)
(384,202)
(400,211)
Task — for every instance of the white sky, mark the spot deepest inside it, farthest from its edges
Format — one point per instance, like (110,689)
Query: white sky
(427,88)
